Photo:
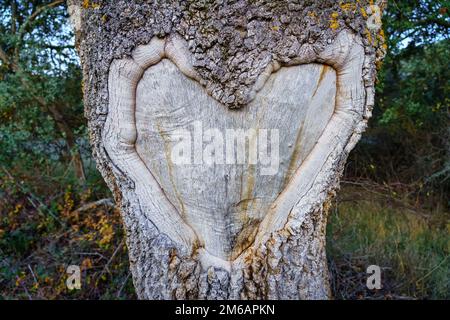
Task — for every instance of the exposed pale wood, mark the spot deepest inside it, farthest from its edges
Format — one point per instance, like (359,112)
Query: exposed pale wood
(220,207)
(224,203)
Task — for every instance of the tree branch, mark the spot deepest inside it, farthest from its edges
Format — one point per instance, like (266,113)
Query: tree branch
(28,21)
(107,202)
(437,21)
(13,16)
(36,13)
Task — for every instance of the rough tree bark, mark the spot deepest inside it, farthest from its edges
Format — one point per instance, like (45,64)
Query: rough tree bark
(303,69)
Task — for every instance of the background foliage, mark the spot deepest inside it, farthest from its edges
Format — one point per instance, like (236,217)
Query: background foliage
(393,209)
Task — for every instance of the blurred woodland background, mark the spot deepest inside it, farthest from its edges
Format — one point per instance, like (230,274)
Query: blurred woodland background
(55,209)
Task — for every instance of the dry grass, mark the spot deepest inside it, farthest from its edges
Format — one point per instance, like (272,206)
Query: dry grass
(412,247)
(41,234)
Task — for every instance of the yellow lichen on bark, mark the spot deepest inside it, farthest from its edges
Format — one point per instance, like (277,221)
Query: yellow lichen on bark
(334,22)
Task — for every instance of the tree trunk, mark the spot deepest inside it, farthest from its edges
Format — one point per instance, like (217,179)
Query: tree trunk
(222,128)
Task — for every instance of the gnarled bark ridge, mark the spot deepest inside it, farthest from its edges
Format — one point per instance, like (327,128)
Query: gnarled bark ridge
(212,225)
